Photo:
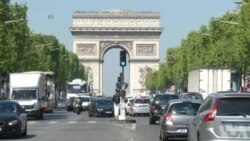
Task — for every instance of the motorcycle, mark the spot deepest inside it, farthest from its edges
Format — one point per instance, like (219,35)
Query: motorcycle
(78,109)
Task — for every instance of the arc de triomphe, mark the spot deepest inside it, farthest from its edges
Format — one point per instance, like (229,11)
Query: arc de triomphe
(137,32)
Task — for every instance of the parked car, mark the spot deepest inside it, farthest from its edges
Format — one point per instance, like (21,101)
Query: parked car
(13,119)
(191,95)
(101,107)
(158,104)
(175,118)
(140,105)
(222,117)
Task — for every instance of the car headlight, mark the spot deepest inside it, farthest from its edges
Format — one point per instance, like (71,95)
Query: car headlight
(13,122)
(34,106)
(99,109)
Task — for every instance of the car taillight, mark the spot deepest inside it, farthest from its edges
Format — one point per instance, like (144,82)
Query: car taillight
(211,114)
(168,116)
(152,108)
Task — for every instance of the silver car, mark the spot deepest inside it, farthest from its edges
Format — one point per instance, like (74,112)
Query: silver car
(175,118)
(139,106)
(191,95)
(222,117)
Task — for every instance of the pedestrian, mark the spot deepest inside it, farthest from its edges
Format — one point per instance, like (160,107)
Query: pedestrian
(116,100)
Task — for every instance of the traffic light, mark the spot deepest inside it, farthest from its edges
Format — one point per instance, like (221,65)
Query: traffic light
(122,58)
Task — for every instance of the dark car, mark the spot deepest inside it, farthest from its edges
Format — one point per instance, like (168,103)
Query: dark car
(158,104)
(70,103)
(13,119)
(101,107)
(192,95)
(175,118)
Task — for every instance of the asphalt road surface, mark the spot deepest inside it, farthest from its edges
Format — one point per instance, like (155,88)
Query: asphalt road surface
(67,126)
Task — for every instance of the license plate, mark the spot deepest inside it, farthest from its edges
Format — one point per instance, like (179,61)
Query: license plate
(182,130)
(108,112)
(237,126)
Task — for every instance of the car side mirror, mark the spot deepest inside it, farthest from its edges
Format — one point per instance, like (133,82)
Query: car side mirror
(151,100)
(22,110)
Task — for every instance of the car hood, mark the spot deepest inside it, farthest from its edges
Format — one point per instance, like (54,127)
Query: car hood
(26,102)
(8,116)
(105,106)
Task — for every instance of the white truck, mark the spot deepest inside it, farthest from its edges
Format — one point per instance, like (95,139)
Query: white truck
(28,89)
(207,81)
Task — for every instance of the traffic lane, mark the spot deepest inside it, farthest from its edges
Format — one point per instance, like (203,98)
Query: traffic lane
(38,128)
(81,127)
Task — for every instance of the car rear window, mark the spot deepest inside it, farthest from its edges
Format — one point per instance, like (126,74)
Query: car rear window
(142,101)
(185,108)
(104,103)
(163,99)
(233,106)
(193,96)
(85,99)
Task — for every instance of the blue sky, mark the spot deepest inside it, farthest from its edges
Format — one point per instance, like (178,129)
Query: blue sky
(178,17)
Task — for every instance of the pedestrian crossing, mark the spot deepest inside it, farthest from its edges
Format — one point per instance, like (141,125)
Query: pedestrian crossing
(70,122)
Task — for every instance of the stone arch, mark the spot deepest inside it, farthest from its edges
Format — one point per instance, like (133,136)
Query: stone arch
(105,30)
(106,47)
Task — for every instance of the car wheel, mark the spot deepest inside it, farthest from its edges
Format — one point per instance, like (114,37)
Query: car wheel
(151,121)
(25,130)
(90,115)
(41,115)
(164,137)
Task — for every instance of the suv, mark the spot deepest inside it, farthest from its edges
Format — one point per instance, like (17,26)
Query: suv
(139,106)
(174,121)
(157,106)
(222,116)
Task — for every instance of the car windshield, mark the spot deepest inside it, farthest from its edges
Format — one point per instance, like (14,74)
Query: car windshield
(84,99)
(163,99)
(8,108)
(193,96)
(142,101)
(24,95)
(232,106)
(185,108)
(104,103)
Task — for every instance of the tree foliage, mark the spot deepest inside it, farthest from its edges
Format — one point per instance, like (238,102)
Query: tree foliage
(224,43)
(22,50)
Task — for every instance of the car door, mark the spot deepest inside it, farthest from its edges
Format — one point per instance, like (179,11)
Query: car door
(22,116)
(195,123)
(162,119)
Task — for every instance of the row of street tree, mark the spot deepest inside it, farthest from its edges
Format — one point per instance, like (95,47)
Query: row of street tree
(22,50)
(224,43)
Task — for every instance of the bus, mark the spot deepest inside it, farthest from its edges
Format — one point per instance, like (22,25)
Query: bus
(76,88)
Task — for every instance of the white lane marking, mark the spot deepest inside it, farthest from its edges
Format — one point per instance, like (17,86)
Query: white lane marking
(72,122)
(32,122)
(93,122)
(52,122)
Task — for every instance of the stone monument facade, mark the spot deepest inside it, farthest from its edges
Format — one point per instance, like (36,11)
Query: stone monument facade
(137,32)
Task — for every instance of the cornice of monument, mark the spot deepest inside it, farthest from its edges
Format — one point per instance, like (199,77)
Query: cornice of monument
(116,29)
(116,14)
